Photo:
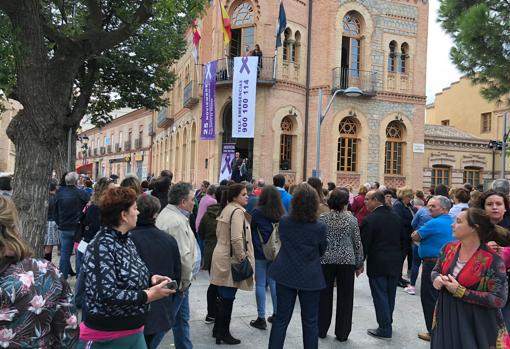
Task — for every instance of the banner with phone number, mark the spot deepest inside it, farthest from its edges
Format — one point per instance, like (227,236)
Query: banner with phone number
(244,96)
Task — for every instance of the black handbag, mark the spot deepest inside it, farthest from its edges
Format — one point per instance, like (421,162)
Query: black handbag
(240,271)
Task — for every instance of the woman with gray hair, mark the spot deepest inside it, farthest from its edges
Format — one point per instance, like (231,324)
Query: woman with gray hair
(160,253)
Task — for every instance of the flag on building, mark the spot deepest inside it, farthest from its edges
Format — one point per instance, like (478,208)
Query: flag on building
(227,28)
(196,39)
(281,25)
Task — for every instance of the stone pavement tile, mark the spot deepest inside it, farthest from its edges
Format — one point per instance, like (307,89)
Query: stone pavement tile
(408,321)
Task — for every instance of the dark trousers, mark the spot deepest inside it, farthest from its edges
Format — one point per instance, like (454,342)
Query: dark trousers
(286,299)
(344,277)
(384,289)
(428,293)
(212,294)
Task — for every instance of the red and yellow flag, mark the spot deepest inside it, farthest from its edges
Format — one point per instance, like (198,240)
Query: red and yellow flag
(227,28)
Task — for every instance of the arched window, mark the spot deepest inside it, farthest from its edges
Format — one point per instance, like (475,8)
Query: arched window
(287,46)
(352,44)
(347,149)
(394,148)
(404,55)
(392,66)
(440,175)
(286,138)
(472,175)
(243,30)
(297,47)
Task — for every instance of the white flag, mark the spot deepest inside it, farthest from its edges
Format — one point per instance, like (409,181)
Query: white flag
(244,96)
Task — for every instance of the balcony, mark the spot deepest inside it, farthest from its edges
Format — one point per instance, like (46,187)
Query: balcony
(190,95)
(102,150)
(345,77)
(138,143)
(399,82)
(109,149)
(127,145)
(95,151)
(165,119)
(117,148)
(265,74)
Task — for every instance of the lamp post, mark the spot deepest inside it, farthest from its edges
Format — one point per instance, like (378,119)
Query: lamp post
(349,92)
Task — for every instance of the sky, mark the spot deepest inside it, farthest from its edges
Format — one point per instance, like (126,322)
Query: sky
(440,70)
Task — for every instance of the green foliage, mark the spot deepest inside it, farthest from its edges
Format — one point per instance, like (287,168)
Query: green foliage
(134,73)
(481,34)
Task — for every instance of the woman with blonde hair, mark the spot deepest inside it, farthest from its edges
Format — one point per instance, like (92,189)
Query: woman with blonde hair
(35,300)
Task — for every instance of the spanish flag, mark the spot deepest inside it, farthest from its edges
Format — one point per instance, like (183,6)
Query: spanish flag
(227,29)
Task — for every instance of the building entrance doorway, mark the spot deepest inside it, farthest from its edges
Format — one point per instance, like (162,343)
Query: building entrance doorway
(243,145)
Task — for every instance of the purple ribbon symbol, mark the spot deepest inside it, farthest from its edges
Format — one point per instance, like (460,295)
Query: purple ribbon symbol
(227,164)
(244,60)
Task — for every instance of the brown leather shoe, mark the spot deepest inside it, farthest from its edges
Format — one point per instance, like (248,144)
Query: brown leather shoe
(424,336)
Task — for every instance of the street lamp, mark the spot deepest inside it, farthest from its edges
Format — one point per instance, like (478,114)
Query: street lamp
(84,147)
(349,92)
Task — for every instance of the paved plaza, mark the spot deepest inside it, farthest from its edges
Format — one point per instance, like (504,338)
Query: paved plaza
(408,321)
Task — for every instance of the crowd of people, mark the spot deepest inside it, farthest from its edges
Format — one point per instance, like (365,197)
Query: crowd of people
(140,245)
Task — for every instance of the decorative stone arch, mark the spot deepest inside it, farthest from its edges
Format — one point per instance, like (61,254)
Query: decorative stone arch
(473,160)
(441,159)
(331,145)
(297,131)
(407,137)
(231,5)
(368,31)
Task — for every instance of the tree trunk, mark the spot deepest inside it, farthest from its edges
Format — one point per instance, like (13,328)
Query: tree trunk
(34,166)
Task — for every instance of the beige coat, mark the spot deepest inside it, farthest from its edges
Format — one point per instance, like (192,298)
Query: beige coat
(172,221)
(221,260)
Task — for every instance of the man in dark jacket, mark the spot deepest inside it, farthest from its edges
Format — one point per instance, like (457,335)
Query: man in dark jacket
(160,253)
(161,188)
(382,235)
(69,204)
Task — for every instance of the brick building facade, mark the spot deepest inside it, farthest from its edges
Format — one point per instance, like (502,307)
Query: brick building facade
(379,46)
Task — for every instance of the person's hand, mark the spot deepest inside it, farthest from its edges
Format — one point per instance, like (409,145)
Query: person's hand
(158,291)
(452,284)
(439,282)
(360,271)
(156,279)
(495,247)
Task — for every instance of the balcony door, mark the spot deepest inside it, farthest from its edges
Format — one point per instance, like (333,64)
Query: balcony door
(351,49)
(243,30)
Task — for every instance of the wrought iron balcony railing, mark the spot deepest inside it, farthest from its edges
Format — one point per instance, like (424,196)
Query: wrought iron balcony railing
(347,77)
(225,71)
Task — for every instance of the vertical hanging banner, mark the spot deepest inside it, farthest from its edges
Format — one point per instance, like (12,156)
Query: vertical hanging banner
(244,96)
(209,101)
(228,154)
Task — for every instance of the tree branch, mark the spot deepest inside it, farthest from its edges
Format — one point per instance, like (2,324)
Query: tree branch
(88,78)
(105,40)
(94,20)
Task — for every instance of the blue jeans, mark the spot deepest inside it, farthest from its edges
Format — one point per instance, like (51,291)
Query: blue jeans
(384,289)
(262,279)
(180,313)
(309,301)
(66,249)
(416,265)
(157,339)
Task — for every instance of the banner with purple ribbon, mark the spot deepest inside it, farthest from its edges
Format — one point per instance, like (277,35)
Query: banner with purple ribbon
(244,96)
(229,153)
(209,101)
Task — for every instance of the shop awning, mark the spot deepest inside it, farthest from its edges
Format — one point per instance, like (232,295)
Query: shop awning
(84,169)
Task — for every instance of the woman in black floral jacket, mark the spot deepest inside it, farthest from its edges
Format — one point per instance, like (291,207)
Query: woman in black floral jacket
(117,281)
(35,300)
(343,257)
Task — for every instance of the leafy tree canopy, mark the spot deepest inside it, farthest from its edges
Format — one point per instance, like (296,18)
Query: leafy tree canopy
(129,69)
(481,34)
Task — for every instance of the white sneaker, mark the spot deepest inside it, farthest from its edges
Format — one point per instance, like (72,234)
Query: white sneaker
(410,290)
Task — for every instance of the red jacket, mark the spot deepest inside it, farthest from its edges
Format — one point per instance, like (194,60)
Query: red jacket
(358,208)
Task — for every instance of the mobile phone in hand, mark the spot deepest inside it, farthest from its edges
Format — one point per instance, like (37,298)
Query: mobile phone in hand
(172,285)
